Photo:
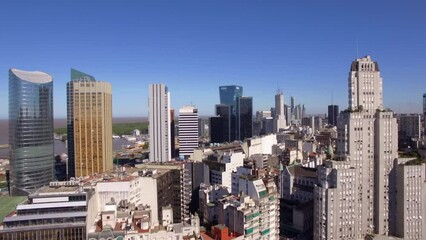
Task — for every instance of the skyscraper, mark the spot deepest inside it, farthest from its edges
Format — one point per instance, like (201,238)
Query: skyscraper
(359,197)
(333,113)
(279,118)
(244,118)
(30,130)
(220,125)
(159,123)
(424,113)
(188,131)
(292,105)
(89,120)
(228,96)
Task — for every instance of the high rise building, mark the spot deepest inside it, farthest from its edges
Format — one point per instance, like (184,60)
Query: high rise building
(364,187)
(188,131)
(159,123)
(333,113)
(279,118)
(172,134)
(292,104)
(229,94)
(244,118)
(220,125)
(89,120)
(424,113)
(30,130)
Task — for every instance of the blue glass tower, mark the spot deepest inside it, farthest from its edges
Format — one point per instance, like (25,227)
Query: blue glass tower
(30,130)
(228,96)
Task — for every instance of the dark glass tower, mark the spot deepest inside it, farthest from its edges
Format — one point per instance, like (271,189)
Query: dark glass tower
(76,77)
(220,126)
(333,113)
(228,96)
(244,118)
(30,130)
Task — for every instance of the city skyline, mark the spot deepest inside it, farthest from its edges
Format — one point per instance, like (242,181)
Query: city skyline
(194,48)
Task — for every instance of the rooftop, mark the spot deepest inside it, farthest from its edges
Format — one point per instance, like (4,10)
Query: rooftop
(32,76)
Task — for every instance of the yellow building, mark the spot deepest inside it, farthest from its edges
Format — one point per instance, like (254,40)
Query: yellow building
(89,125)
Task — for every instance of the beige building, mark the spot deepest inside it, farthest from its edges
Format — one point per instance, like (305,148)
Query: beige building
(410,198)
(89,125)
(367,142)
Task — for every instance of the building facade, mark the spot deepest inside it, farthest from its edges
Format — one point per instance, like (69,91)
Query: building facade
(159,123)
(188,131)
(30,130)
(89,108)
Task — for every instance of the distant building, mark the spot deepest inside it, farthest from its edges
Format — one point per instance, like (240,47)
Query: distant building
(279,118)
(30,130)
(57,211)
(244,118)
(220,125)
(172,134)
(409,127)
(228,96)
(424,113)
(188,131)
(160,149)
(89,119)
(333,114)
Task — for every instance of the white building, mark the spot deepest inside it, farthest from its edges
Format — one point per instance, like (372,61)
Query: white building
(220,172)
(188,131)
(159,123)
(259,145)
(411,196)
(279,118)
(367,147)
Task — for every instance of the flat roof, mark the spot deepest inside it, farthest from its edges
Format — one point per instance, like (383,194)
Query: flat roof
(8,205)
(45,216)
(51,205)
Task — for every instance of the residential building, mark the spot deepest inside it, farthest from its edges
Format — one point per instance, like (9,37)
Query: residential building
(30,130)
(333,114)
(218,170)
(188,131)
(57,211)
(89,118)
(410,198)
(209,196)
(159,124)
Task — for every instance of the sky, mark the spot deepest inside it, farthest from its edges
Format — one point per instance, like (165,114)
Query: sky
(304,48)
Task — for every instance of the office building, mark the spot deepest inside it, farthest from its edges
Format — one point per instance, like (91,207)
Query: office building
(188,131)
(333,114)
(424,113)
(89,109)
(360,200)
(172,134)
(220,125)
(30,130)
(229,94)
(57,211)
(409,125)
(159,123)
(279,118)
(244,118)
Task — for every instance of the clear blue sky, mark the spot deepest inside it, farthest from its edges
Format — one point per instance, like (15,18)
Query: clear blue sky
(304,47)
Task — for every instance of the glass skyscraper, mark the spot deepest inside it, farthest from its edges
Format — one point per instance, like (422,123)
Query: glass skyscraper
(229,95)
(244,118)
(30,130)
